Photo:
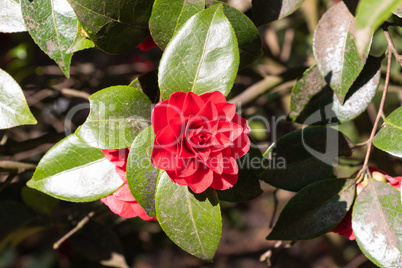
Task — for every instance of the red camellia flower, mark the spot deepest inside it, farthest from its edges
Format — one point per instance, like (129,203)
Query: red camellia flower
(147,44)
(122,202)
(198,139)
(345,226)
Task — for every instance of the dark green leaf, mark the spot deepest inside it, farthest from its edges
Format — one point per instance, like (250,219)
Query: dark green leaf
(148,83)
(192,221)
(98,243)
(13,215)
(304,156)
(11,20)
(389,138)
(248,185)
(73,171)
(141,174)
(168,16)
(115,26)
(335,48)
(53,27)
(202,57)
(265,11)
(38,201)
(314,210)
(377,225)
(313,101)
(14,110)
(248,37)
(370,14)
(118,114)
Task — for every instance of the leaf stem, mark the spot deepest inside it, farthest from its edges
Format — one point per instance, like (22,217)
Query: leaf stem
(74,230)
(377,119)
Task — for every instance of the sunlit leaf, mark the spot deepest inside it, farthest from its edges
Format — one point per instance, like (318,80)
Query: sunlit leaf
(192,221)
(335,48)
(73,171)
(118,114)
(265,11)
(313,101)
(141,174)
(115,26)
(53,26)
(11,20)
(14,110)
(314,210)
(377,225)
(202,57)
(168,16)
(389,138)
(304,156)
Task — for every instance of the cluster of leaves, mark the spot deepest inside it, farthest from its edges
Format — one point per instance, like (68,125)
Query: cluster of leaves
(204,46)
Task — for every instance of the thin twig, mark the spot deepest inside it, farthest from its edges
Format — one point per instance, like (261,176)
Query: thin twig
(380,111)
(14,166)
(271,223)
(74,93)
(8,180)
(391,45)
(74,230)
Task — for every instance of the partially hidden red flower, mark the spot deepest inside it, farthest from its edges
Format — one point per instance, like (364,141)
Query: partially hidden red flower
(147,44)
(345,226)
(122,202)
(198,138)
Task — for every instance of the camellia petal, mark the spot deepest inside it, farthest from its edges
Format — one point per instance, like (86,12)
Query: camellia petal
(224,181)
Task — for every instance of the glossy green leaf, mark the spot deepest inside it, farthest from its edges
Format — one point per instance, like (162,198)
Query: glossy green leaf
(335,48)
(118,114)
(11,20)
(148,83)
(191,221)
(141,174)
(248,185)
(313,102)
(377,225)
(304,156)
(248,37)
(169,15)
(265,11)
(202,57)
(14,110)
(38,201)
(389,138)
(81,41)
(115,26)
(73,171)
(53,26)
(314,210)
(370,14)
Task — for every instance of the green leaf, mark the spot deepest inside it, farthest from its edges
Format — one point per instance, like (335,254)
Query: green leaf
(141,174)
(73,171)
(115,26)
(398,11)
(11,20)
(38,201)
(265,11)
(14,110)
(313,101)
(81,41)
(148,83)
(377,225)
(53,27)
(335,49)
(202,57)
(168,16)
(390,135)
(370,14)
(248,37)
(314,210)
(192,221)
(118,114)
(304,156)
